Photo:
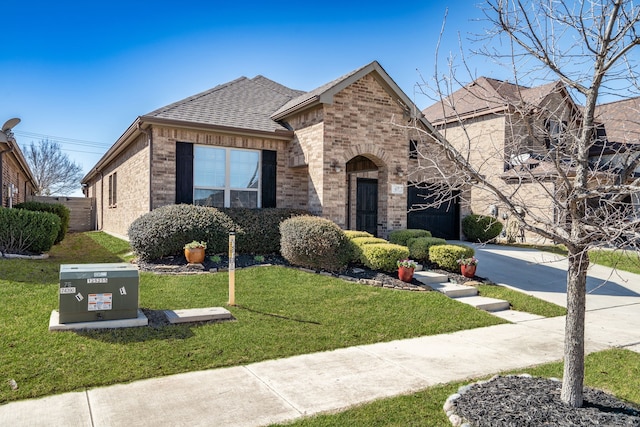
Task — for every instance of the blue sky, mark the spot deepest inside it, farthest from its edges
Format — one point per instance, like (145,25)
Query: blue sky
(80,72)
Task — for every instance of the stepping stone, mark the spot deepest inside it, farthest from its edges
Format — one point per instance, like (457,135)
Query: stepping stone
(197,314)
(486,304)
(429,277)
(515,316)
(453,290)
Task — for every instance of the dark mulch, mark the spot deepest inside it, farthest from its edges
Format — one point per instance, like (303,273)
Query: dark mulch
(521,401)
(179,265)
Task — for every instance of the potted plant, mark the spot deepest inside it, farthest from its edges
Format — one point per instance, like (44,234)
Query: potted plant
(194,251)
(468,266)
(406,267)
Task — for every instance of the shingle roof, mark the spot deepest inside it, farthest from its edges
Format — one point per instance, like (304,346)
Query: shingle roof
(486,95)
(309,96)
(242,103)
(621,120)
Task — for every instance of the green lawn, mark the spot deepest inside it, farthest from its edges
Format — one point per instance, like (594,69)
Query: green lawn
(522,302)
(615,371)
(281,312)
(620,259)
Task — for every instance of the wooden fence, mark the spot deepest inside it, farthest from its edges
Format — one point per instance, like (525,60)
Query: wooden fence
(82,210)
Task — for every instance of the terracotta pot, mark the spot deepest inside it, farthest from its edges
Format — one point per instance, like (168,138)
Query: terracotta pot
(194,255)
(468,270)
(405,274)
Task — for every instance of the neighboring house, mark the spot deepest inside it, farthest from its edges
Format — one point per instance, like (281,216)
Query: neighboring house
(515,136)
(340,151)
(17,182)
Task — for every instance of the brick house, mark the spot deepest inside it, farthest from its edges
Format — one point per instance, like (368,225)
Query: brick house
(340,151)
(17,182)
(513,134)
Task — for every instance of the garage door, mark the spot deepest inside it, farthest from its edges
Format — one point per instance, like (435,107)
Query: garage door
(442,220)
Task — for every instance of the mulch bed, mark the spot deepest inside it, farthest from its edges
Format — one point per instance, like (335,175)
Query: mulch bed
(512,401)
(179,265)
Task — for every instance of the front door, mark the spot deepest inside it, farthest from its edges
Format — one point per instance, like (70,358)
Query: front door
(367,205)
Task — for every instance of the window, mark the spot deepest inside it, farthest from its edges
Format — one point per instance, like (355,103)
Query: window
(555,133)
(113,186)
(413,149)
(226,177)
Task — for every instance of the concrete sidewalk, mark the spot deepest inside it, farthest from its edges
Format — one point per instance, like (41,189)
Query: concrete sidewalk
(281,390)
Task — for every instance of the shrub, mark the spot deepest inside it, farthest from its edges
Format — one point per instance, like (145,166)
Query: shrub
(24,231)
(419,247)
(314,242)
(447,256)
(383,256)
(258,230)
(55,208)
(400,237)
(165,231)
(481,228)
(352,234)
(356,244)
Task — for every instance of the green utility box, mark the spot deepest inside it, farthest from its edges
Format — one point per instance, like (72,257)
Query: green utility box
(91,292)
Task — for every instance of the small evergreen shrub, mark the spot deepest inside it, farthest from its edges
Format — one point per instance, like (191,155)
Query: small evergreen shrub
(447,256)
(258,230)
(352,234)
(24,231)
(481,228)
(400,237)
(165,231)
(356,244)
(383,256)
(55,208)
(419,247)
(315,243)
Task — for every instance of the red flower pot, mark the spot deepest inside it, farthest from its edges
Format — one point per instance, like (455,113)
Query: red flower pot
(194,255)
(405,274)
(468,270)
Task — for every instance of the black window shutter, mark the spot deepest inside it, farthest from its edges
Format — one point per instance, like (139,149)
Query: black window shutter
(184,173)
(269,161)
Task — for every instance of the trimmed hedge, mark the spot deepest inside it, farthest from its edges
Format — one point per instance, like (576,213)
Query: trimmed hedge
(400,237)
(352,234)
(258,230)
(419,247)
(55,208)
(481,228)
(314,242)
(24,231)
(165,231)
(383,256)
(356,244)
(447,256)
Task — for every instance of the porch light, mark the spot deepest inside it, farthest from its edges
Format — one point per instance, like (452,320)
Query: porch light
(335,166)
(399,171)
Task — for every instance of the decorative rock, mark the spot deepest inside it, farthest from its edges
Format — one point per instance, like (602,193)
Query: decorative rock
(455,420)
(357,270)
(195,266)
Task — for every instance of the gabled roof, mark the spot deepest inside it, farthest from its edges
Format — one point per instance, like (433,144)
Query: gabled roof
(488,96)
(255,105)
(621,120)
(242,103)
(324,94)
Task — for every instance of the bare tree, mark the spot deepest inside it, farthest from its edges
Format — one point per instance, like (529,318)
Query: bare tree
(539,147)
(54,172)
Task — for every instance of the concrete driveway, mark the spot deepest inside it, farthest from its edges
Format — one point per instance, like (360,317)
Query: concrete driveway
(544,275)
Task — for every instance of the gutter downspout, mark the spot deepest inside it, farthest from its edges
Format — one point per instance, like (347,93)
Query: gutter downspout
(149,134)
(8,150)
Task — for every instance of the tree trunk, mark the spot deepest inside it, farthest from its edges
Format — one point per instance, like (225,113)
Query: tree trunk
(573,376)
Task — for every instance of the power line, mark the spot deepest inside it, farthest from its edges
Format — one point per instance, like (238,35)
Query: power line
(61,139)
